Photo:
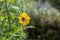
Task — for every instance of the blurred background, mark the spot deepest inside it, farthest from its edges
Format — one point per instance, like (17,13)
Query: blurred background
(39,11)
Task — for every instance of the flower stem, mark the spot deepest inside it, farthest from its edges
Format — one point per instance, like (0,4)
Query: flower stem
(8,14)
(22,33)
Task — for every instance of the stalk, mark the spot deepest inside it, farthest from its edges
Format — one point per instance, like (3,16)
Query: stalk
(9,24)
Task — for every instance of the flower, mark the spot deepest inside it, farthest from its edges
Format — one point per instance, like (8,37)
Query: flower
(24,19)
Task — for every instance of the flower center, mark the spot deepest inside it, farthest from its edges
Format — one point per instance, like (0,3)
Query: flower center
(23,19)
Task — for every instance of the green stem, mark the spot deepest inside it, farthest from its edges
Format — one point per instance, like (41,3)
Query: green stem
(22,33)
(8,14)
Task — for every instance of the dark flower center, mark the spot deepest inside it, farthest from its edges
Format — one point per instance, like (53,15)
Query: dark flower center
(23,19)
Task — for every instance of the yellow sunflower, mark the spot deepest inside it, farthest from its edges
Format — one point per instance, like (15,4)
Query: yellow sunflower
(24,19)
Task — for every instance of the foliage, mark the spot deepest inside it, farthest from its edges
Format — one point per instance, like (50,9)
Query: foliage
(10,28)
